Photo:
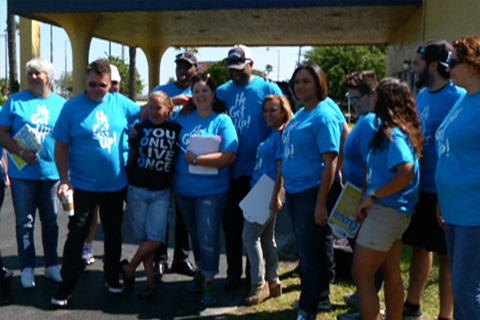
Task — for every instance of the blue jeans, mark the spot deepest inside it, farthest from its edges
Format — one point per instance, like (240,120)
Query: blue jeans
(27,197)
(463,247)
(203,217)
(314,247)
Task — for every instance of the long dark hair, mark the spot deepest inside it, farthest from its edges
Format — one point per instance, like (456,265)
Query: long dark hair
(318,75)
(395,107)
(217,105)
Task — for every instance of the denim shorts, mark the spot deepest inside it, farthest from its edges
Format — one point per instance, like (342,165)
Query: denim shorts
(382,227)
(148,211)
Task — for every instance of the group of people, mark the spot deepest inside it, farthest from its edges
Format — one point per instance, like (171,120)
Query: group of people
(202,149)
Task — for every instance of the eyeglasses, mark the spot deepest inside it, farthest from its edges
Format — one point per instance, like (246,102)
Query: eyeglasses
(94,85)
(354,99)
(452,62)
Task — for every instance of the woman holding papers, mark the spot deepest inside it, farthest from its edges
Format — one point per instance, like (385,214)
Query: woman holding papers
(259,239)
(457,179)
(391,192)
(208,143)
(34,186)
(311,145)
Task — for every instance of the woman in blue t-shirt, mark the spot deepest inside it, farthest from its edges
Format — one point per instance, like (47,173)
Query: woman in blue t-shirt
(391,190)
(201,179)
(34,186)
(259,239)
(311,145)
(457,179)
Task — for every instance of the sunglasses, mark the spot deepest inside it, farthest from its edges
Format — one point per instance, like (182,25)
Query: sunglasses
(94,85)
(353,99)
(115,83)
(452,62)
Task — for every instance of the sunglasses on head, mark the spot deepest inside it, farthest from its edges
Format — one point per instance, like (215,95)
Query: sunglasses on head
(94,85)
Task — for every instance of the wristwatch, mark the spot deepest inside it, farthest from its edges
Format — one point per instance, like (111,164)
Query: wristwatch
(194,161)
(372,194)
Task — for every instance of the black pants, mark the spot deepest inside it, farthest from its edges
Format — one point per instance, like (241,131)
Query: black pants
(233,226)
(111,215)
(182,242)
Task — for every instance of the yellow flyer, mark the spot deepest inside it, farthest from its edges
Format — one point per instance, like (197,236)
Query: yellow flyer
(342,218)
(27,138)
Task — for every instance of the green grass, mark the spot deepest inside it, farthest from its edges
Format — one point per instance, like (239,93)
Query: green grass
(281,308)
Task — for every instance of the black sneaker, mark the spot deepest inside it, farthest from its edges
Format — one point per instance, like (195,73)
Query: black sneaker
(160,269)
(184,267)
(412,312)
(114,286)
(232,283)
(60,299)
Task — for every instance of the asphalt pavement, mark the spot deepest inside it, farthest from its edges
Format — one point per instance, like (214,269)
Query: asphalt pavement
(92,301)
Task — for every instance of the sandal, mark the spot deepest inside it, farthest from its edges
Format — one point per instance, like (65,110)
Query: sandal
(147,292)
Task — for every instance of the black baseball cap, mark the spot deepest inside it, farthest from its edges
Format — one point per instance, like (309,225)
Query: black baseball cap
(438,51)
(187,56)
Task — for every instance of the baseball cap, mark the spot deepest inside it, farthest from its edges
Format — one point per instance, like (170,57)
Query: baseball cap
(438,51)
(187,56)
(114,74)
(238,57)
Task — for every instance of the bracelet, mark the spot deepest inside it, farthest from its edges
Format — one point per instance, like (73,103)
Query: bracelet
(21,153)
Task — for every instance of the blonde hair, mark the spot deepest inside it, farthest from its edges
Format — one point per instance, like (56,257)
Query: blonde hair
(283,101)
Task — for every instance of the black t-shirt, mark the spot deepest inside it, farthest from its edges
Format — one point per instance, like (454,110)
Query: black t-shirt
(156,147)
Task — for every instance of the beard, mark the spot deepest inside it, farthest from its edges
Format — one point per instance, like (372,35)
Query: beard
(423,78)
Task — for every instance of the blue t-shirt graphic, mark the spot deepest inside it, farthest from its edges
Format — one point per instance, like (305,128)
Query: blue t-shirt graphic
(356,149)
(432,109)
(41,114)
(194,185)
(268,152)
(458,167)
(244,105)
(381,167)
(95,132)
(307,137)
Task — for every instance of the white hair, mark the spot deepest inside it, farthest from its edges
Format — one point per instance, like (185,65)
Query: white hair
(41,65)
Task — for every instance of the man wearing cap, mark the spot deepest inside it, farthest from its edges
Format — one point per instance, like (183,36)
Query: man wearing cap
(424,233)
(115,79)
(180,92)
(243,96)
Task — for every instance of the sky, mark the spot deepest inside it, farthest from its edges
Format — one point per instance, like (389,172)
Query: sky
(287,56)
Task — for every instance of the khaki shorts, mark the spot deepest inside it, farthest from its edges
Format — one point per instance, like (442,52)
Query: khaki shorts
(382,227)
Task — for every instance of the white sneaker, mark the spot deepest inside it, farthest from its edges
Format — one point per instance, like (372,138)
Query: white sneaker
(28,278)
(53,273)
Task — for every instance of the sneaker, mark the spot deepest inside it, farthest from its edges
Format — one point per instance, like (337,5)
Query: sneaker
(160,269)
(7,274)
(411,312)
(196,284)
(28,278)
(324,305)
(350,316)
(114,286)
(184,267)
(60,299)
(87,255)
(258,294)
(53,273)
(209,294)
(352,300)
(303,315)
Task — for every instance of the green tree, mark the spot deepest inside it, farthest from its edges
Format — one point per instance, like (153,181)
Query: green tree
(268,69)
(337,62)
(123,69)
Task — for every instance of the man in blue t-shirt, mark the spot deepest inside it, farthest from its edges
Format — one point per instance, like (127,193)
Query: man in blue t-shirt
(424,233)
(89,148)
(180,92)
(243,96)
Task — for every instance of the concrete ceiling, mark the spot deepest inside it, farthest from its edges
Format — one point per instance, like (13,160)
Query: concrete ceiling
(298,22)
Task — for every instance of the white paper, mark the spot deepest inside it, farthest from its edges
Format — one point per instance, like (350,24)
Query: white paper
(200,145)
(256,204)
(342,218)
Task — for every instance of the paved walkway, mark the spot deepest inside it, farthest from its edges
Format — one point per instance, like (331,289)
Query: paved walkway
(91,300)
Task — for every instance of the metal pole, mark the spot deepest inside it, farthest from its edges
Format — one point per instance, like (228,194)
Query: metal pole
(278,68)
(65,72)
(51,43)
